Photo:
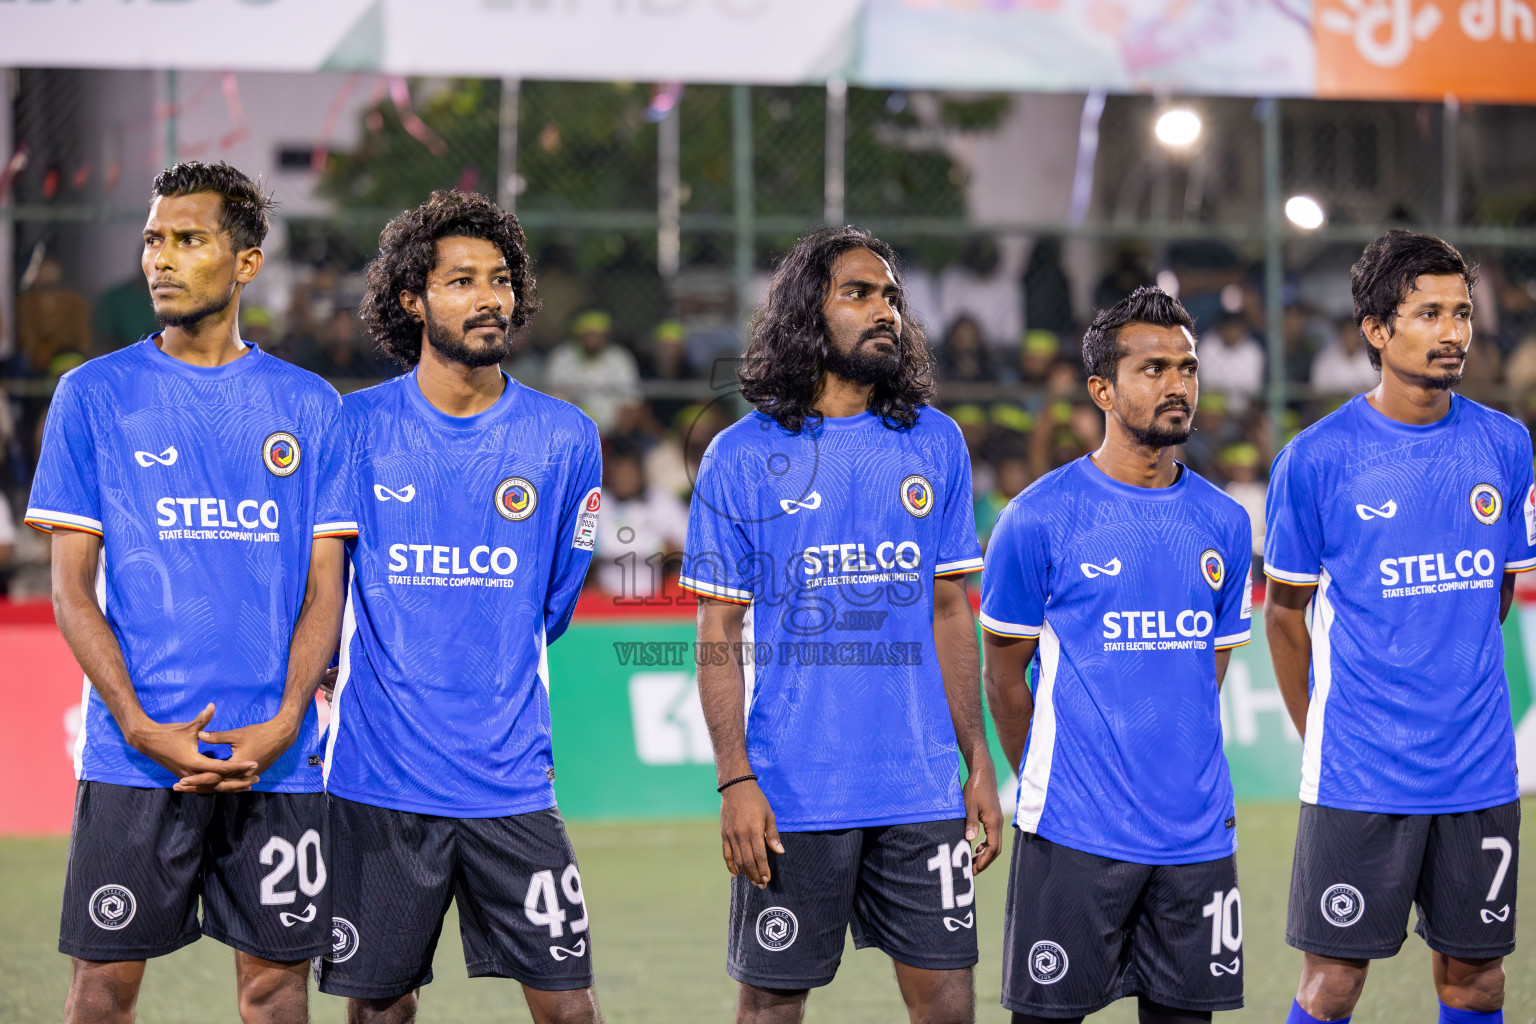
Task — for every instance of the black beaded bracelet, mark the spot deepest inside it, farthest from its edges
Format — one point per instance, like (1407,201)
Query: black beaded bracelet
(725,786)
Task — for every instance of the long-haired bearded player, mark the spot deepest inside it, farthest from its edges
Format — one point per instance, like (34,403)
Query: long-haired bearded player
(829,536)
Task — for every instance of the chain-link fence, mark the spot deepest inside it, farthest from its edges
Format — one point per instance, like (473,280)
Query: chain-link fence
(655,213)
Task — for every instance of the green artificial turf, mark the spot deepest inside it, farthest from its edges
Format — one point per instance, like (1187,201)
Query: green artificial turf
(657,897)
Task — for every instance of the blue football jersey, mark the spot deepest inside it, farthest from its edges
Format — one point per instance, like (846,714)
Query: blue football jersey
(1407,531)
(833,537)
(474,536)
(1131,591)
(204,485)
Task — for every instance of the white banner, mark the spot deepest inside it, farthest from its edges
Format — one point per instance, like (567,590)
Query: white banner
(756,41)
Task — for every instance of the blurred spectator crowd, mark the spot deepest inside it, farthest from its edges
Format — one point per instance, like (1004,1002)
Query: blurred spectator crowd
(650,362)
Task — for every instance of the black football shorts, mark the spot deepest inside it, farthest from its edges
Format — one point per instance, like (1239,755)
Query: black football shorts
(1356,873)
(1081,931)
(522,914)
(141,859)
(904,889)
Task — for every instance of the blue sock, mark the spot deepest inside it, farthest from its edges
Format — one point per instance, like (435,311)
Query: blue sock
(1449,1015)
(1300,1016)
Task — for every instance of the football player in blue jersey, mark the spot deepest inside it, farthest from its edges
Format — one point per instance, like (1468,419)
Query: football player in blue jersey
(1394,528)
(828,539)
(1121,582)
(199,590)
(476,500)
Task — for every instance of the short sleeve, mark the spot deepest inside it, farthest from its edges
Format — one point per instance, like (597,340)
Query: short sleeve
(1521,556)
(579,507)
(1234,603)
(335,511)
(1293,529)
(1013,587)
(959,550)
(66,490)
(717,560)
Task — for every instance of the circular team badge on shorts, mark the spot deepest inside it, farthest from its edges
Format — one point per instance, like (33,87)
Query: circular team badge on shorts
(1487,504)
(1047,962)
(1342,905)
(516,499)
(1212,569)
(917,495)
(776,929)
(112,907)
(343,940)
(280,452)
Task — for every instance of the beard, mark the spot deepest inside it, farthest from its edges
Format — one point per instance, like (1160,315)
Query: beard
(183,321)
(865,366)
(451,345)
(1450,379)
(1153,436)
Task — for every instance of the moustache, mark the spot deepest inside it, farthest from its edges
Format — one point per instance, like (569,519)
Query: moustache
(1448,353)
(170,281)
(1180,405)
(880,332)
(487,320)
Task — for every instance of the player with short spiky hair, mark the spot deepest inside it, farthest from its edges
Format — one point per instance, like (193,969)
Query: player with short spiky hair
(1122,580)
(183,480)
(828,536)
(476,499)
(1394,528)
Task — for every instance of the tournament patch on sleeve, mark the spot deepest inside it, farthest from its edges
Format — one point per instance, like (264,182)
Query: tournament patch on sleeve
(1530,515)
(585,537)
(1248,595)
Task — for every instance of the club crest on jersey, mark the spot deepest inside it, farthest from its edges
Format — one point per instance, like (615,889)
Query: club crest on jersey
(1212,569)
(112,907)
(280,451)
(516,499)
(1487,504)
(917,495)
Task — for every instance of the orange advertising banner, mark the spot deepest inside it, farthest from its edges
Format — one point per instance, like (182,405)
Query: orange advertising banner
(1475,50)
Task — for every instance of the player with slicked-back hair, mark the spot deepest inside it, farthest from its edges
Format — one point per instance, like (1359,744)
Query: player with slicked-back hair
(843,503)
(476,499)
(197,454)
(1120,583)
(1387,271)
(1394,528)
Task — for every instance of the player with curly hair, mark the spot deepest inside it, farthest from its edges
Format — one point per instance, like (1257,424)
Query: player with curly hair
(476,500)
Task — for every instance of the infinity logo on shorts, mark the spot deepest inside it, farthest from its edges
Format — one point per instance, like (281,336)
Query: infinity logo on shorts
(561,953)
(1218,968)
(776,929)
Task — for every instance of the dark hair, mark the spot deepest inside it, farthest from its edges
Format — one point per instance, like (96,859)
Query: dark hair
(1146,305)
(783,364)
(246,208)
(408,253)
(1389,268)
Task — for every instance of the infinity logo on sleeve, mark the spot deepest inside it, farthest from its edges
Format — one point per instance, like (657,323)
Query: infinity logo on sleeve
(405,493)
(1386,511)
(165,458)
(1094,571)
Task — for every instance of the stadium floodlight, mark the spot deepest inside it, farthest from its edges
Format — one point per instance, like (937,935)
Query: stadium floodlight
(1178,128)
(1304,212)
